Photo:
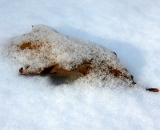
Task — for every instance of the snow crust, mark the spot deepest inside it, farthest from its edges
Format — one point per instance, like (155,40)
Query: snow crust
(51,47)
(61,49)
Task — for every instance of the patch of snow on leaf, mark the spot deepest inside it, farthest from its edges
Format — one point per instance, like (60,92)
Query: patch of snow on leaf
(45,47)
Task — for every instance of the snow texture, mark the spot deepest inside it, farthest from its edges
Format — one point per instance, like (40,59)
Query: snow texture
(45,47)
(129,28)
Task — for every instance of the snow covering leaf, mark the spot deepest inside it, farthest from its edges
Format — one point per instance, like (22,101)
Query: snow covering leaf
(45,51)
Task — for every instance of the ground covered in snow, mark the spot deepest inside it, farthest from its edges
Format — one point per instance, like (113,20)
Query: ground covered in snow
(129,28)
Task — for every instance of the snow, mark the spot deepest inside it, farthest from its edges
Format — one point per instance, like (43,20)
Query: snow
(45,47)
(129,28)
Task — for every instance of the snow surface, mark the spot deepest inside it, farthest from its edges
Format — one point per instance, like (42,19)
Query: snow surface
(44,47)
(129,28)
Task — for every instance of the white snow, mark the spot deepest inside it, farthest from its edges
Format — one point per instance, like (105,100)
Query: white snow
(129,28)
(44,47)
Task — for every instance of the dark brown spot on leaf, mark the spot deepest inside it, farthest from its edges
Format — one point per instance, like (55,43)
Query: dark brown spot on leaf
(153,89)
(30,45)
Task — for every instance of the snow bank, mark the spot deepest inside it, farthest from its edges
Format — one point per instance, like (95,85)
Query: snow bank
(129,28)
(44,47)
